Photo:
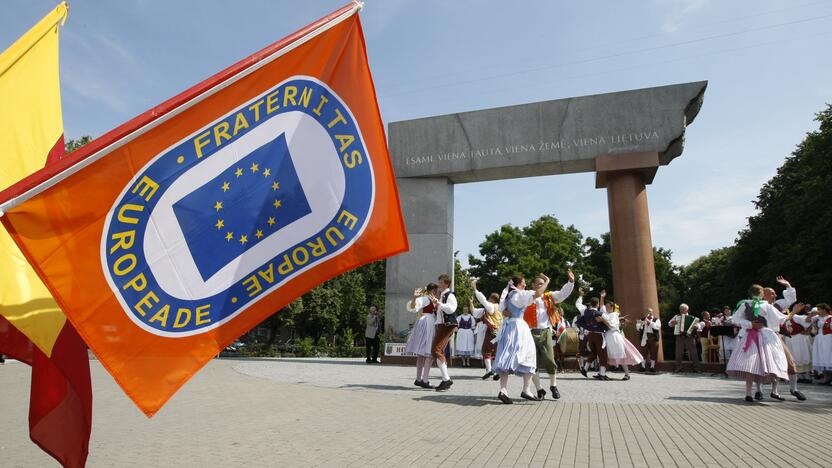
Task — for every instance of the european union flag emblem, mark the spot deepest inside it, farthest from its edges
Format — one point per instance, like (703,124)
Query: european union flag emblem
(241,207)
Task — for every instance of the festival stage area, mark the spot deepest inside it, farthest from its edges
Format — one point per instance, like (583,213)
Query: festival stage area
(342,412)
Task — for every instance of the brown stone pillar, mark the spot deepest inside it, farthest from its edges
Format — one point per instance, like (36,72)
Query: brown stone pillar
(633,268)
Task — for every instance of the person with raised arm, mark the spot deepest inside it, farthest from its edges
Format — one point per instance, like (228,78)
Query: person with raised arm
(421,337)
(592,321)
(445,327)
(515,346)
(759,356)
(492,318)
(782,305)
(541,315)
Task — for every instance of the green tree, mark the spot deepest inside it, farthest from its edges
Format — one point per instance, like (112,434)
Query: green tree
(321,312)
(709,284)
(543,246)
(72,145)
(789,235)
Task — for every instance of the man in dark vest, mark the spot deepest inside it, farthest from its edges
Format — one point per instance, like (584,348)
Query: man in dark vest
(445,327)
(592,322)
(684,329)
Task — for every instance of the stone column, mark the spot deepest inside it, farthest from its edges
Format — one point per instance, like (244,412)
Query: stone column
(428,208)
(633,267)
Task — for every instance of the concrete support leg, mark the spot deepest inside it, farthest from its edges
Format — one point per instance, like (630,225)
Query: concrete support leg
(428,208)
(633,268)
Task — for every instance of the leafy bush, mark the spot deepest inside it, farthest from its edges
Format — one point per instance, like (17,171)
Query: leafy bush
(306,347)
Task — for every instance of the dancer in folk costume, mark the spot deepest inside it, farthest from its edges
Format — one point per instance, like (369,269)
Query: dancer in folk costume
(493,319)
(479,332)
(583,349)
(592,321)
(421,338)
(620,352)
(782,305)
(822,347)
(465,335)
(759,356)
(445,327)
(649,332)
(796,332)
(515,346)
(541,316)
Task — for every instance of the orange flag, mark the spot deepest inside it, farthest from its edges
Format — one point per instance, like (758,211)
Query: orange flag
(32,327)
(174,234)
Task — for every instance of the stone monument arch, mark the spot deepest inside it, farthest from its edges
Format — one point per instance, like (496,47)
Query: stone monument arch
(623,137)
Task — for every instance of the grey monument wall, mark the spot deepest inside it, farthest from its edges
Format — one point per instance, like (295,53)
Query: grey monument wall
(579,134)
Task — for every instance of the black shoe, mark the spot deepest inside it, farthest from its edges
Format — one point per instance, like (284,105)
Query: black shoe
(541,394)
(596,376)
(418,383)
(446,384)
(555,393)
(583,372)
(368,360)
(749,399)
(652,370)
(504,398)
(777,397)
(496,377)
(487,375)
(375,361)
(798,394)
(526,396)
(626,377)
(758,395)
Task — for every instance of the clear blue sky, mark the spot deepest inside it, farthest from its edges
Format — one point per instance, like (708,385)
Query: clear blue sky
(767,63)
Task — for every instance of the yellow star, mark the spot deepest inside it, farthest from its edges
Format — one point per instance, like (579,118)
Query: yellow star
(218,205)
(220,224)
(243,239)
(238,172)
(267,172)
(277,204)
(229,236)
(259,234)
(225,186)
(255,167)
(275,185)
(271,221)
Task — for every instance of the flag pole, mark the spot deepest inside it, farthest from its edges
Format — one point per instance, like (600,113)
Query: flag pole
(44,179)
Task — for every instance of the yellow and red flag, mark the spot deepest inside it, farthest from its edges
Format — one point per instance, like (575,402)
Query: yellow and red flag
(32,327)
(172,235)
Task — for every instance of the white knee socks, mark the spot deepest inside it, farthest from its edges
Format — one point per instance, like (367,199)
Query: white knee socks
(487,365)
(443,368)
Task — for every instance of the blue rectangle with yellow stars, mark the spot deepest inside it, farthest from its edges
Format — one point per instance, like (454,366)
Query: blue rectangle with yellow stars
(241,207)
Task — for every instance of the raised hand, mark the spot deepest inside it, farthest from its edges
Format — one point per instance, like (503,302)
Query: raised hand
(570,275)
(474,284)
(783,281)
(417,292)
(603,294)
(581,291)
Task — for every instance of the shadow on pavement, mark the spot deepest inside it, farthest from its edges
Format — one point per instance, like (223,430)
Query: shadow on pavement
(381,387)
(309,361)
(461,400)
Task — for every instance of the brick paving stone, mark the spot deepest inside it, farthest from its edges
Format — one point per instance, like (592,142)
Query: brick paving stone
(341,412)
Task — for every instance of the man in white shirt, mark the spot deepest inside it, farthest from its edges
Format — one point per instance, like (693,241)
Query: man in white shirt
(783,304)
(541,316)
(446,324)
(684,326)
(649,329)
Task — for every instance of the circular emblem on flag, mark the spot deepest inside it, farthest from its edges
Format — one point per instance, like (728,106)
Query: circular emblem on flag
(230,213)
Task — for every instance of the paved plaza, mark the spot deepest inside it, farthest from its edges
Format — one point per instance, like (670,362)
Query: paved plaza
(342,412)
